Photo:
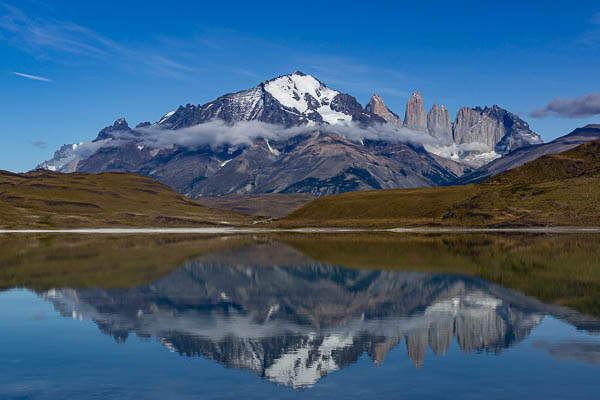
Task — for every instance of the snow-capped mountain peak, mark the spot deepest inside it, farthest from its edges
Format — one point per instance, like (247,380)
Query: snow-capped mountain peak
(306,94)
(288,100)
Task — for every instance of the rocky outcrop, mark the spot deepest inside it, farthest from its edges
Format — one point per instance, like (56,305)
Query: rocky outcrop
(438,123)
(518,134)
(378,107)
(415,117)
(119,126)
(495,128)
(471,126)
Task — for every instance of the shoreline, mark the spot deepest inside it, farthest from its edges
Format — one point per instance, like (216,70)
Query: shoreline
(212,231)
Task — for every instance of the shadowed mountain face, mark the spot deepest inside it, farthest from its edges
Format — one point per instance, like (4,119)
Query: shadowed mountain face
(271,310)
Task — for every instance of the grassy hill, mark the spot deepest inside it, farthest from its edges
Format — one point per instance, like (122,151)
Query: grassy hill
(582,161)
(555,190)
(47,199)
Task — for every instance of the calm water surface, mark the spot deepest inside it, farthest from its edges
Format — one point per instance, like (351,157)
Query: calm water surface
(300,316)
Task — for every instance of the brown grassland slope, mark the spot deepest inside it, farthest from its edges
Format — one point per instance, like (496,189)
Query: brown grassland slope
(555,190)
(46,199)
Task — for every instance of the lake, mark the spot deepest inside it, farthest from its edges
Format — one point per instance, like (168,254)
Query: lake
(300,315)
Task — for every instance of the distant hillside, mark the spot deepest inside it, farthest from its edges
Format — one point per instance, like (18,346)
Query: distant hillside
(48,199)
(529,153)
(554,190)
(276,205)
(581,161)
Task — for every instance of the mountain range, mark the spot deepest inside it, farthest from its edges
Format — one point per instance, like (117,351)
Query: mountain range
(293,134)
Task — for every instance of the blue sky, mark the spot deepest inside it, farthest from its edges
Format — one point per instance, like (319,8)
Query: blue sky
(141,59)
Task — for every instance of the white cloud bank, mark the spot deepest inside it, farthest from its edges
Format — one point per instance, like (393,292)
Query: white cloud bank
(218,134)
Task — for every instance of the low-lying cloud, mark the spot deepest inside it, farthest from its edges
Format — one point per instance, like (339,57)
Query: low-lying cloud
(218,134)
(578,107)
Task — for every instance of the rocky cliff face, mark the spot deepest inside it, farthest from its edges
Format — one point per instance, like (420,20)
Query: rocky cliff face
(471,126)
(415,117)
(438,124)
(378,107)
(498,129)
(119,126)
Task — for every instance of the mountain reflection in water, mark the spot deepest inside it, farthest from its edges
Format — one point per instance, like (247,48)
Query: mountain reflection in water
(271,310)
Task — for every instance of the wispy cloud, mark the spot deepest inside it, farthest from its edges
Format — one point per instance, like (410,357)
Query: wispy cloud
(577,107)
(47,37)
(596,19)
(34,77)
(63,36)
(39,144)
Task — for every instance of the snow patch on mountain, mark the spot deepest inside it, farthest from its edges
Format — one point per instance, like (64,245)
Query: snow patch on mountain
(166,117)
(272,150)
(474,154)
(224,163)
